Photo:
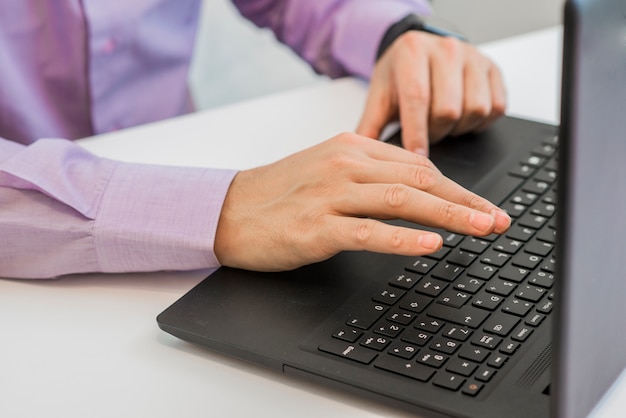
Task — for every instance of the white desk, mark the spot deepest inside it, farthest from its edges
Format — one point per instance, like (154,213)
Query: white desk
(88,346)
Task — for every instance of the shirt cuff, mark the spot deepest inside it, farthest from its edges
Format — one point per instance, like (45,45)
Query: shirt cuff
(361,31)
(160,218)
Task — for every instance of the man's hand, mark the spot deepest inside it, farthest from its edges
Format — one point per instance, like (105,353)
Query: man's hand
(437,86)
(318,202)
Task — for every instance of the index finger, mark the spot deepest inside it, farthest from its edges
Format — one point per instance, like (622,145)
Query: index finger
(414,97)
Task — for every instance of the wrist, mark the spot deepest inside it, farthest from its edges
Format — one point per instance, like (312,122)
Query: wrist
(411,22)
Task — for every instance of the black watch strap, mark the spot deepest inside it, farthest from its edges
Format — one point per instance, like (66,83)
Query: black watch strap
(411,22)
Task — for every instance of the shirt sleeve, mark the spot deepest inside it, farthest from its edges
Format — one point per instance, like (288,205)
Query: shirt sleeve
(65,210)
(337,37)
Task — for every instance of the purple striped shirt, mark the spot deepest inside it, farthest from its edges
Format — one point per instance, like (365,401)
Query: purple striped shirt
(75,68)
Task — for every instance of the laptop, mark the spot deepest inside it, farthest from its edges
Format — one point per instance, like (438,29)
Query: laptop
(527,324)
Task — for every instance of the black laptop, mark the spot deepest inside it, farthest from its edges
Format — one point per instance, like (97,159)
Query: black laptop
(527,324)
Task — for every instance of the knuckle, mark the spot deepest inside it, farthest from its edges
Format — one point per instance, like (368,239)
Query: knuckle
(448,213)
(448,113)
(396,196)
(363,232)
(413,40)
(475,202)
(498,107)
(481,110)
(451,46)
(348,138)
(425,178)
(396,240)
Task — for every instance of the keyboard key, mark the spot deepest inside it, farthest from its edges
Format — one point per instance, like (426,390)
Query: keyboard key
(534,319)
(375,342)
(367,315)
(487,301)
(388,295)
(466,316)
(509,347)
(520,233)
(523,171)
(456,332)
(517,307)
(439,255)
(415,303)
(522,333)
(474,245)
(468,284)
(476,354)
(462,367)
(524,198)
(534,161)
(512,273)
(405,368)
(539,248)
(514,210)
(461,258)
(445,345)
(451,239)
(428,324)
(432,358)
(535,187)
(500,287)
(401,317)
(501,324)
(472,388)
(507,245)
(454,298)
(495,258)
(497,360)
(447,272)
(349,351)
(482,271)
(532,221)
(544,150)
(485,373)
(421,265)
(448,381)
(431,287)
(403,350)
(485,340)
(388,329)
(348,334)
(542,278)
(530,293)
(404,281)
(417,337)
(545,307)
(525,260)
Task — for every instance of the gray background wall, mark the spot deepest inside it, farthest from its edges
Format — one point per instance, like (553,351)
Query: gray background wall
(234,60)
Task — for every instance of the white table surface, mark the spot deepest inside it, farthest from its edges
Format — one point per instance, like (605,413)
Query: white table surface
(88,345)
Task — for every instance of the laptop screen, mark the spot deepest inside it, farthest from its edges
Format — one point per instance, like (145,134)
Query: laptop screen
(591,295)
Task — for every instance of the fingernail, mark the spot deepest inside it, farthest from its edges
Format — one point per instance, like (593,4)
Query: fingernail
(430,241)
(421,151)
(481,221)
(503,220)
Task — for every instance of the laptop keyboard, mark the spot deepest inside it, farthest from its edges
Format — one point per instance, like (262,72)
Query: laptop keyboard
(456,318)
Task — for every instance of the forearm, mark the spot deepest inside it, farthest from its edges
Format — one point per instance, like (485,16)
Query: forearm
(337,37)
(65,211)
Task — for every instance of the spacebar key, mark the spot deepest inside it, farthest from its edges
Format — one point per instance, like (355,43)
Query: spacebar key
(468,316)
